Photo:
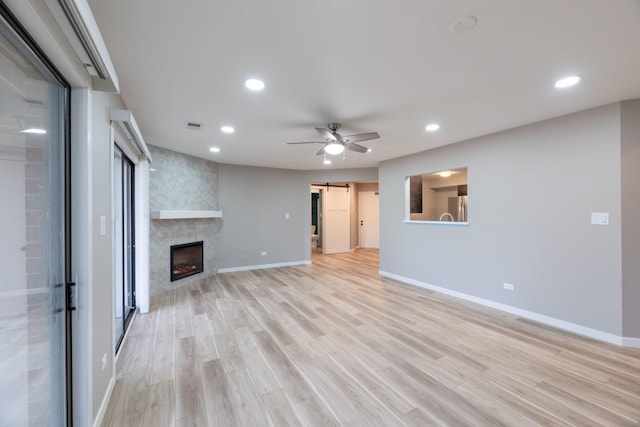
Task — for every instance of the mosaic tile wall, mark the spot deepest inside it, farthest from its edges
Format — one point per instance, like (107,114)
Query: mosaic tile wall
(181,182)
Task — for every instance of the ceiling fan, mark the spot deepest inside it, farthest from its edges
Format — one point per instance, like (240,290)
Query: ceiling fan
(334,143)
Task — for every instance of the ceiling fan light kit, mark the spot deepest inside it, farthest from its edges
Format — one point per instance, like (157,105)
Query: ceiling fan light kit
(334,143)
(333,148)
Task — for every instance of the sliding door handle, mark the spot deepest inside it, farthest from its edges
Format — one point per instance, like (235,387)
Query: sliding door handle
(71,296)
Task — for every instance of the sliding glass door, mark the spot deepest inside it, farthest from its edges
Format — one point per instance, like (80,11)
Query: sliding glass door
(34,104)
(124,243)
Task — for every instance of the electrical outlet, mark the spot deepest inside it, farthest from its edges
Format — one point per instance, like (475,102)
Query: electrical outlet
(263,253)
(104,361)
(508,286)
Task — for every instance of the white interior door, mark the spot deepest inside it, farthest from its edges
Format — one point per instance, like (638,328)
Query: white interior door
(335,221)
(369,217)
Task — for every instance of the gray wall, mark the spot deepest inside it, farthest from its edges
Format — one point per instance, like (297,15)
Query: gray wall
(254,202)
(630,215)
(341,175)
(531,194)
(181,182)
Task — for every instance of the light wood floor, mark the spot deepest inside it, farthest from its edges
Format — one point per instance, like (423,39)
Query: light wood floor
(335,344)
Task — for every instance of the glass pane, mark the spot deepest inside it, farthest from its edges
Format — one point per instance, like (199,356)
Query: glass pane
(128,236)
(124,270)
(118,302)
(32,247)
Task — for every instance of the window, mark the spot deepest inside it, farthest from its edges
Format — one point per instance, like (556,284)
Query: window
(438,196)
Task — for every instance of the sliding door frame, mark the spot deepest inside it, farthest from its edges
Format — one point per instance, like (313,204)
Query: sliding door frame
(128,238)
(67,304)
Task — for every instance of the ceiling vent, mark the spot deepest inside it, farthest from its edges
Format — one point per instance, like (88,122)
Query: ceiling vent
(79,26)
(193,125)
(127,124)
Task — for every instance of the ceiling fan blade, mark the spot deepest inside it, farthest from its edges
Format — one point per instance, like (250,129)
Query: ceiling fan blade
(326,133)
(321,152)
(355,147)
(361,137)
(308,142)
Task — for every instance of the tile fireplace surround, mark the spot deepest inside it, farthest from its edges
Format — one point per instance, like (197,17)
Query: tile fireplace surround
(181,183)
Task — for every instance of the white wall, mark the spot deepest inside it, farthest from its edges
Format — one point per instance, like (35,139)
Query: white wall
(531,194)
(81,264)
(102,310)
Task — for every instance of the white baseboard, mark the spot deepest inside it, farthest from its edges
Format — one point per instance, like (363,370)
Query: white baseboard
(124,339)
(105,403)
(631,342)
(557,323)
(263,266)
(112,382)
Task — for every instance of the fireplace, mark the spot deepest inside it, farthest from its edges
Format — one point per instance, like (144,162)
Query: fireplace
(186,260)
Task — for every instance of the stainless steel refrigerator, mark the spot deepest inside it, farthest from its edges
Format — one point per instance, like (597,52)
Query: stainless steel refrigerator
(458,208)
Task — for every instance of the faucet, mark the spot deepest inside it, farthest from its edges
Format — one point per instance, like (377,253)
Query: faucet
(445,214)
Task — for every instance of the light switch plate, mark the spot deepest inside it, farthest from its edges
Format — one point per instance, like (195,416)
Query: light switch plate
(600,218)
(103,225)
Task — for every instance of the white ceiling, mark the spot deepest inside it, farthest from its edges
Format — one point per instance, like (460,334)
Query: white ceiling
(377,65)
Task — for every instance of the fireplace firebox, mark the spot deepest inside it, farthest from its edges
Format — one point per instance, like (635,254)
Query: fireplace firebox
(186,260)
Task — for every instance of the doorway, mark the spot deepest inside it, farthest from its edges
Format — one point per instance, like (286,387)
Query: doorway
(369,219)
(316,220)
(345,215)
(336,230)
(124,244)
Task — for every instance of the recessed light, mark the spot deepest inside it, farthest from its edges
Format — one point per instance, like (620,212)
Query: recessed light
(152,169)
(567,82)
(326,161)
(432,127)
(369,150)
(227,129)
(35,131)
(254,84)
(214,149)
(445,174)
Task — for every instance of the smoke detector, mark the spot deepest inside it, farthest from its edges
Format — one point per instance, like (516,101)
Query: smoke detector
(464,24)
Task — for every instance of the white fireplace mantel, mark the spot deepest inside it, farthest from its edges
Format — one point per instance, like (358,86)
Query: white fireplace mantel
(168,214)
